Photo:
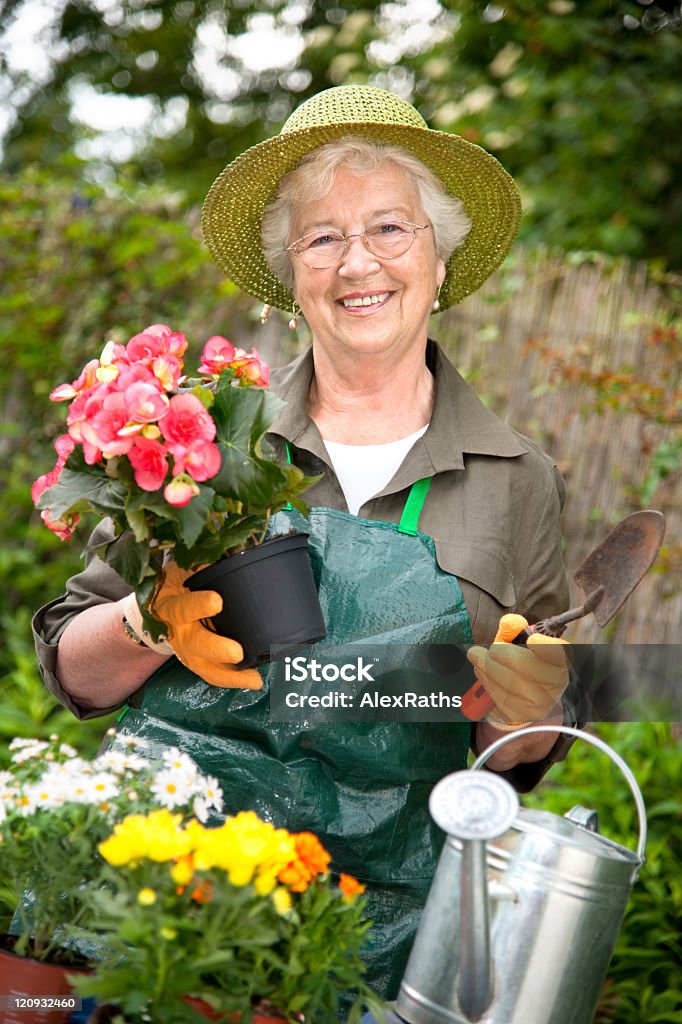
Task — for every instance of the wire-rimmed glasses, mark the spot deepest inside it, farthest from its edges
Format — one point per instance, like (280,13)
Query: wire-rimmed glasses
(322,249)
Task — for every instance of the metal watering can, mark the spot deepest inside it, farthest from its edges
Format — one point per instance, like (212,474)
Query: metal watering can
(525,906)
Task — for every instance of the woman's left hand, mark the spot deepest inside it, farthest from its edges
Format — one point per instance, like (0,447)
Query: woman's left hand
(526,683)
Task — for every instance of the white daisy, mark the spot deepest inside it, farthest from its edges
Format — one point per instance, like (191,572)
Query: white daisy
(99,788)
(130,742)
(176,759)
(44,794)
(28,750)
(173,788)
(120,762)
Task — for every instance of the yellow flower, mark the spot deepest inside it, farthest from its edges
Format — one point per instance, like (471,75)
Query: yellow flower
(168,933)
(146,897)
(182,870)
(246,848)
(156,836)
(281,898)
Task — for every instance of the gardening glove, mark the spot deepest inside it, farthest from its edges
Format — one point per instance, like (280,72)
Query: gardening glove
(526,683)
(205,653)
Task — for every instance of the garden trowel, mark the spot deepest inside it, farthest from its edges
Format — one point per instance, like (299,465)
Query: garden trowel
(607,577)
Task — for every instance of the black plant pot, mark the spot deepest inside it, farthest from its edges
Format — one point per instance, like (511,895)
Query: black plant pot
(269,598)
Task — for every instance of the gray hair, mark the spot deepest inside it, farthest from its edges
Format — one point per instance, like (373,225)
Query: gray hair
(313,178)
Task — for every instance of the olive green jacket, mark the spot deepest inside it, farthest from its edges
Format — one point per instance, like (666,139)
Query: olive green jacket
(493,511)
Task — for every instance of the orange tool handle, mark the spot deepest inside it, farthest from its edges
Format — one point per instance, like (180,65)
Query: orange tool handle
(476,703)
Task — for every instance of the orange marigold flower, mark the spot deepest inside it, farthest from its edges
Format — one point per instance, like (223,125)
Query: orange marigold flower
(350,887)
(311,852)
(203,893)
(295,876)
(311,859)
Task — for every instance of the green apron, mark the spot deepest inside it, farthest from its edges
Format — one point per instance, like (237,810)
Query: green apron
(362,787)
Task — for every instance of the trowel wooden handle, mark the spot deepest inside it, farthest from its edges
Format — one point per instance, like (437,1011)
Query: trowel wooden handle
(477,702)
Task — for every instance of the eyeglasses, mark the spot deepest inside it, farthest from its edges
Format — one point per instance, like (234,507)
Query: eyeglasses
(322,249)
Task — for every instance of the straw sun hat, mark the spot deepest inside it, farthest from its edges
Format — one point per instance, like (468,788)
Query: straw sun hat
(233,209)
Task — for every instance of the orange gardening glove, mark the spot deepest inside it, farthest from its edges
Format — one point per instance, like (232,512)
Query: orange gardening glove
(205,653)
(526,683)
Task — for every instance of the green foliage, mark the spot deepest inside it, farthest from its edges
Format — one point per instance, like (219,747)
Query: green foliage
(643,984)
(580,101)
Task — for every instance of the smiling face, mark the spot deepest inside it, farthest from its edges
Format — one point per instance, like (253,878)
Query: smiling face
(364,304)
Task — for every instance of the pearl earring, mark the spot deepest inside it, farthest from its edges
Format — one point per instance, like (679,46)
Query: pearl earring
(435,305)
(293,323)
(265,313)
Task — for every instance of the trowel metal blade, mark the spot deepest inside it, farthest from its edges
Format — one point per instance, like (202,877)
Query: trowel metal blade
(621,560)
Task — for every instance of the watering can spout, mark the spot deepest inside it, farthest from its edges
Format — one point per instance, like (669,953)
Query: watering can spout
(476,969)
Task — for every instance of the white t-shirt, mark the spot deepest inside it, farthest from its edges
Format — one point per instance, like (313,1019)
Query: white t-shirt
(363,470)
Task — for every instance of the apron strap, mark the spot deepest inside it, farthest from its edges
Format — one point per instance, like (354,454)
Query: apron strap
(409,520)
(288,507)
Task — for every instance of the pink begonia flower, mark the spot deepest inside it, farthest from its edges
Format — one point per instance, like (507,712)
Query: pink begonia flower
(104,422)
(144,347)
(180,491)
(144,402)
(148,459)
(87,379)
(168,370)
(64,445)
(112,362)
(62,528)
(76,419)
(186,421)
(134,374)
(217,354)
(174,342)
(251,367)
(201,460)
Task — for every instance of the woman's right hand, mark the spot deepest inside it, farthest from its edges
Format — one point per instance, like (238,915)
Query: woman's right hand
(208,655)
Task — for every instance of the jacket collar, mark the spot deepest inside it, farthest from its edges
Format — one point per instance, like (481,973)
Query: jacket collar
(461,424)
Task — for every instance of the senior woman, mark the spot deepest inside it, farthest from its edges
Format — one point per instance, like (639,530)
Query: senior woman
(364,221)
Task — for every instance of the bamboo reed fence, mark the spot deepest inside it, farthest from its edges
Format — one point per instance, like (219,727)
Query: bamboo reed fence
(588,312)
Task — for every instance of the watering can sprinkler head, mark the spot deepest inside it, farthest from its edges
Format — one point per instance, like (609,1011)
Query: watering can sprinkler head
(473,808)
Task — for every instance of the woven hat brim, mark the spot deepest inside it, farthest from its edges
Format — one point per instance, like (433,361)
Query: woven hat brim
(233,210)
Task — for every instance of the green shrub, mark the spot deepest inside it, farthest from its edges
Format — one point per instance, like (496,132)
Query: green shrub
(644,983)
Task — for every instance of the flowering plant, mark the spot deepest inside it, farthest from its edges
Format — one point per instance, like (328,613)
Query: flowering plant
(177,464)
(216,921)
(55,807)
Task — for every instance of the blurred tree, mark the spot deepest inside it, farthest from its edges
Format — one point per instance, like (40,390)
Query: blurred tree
(580,101)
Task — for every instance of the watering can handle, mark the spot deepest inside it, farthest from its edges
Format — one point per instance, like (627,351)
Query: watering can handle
(568,730)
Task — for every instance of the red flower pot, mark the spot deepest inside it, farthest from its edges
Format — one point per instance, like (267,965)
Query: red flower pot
(32,991)
(264,1016)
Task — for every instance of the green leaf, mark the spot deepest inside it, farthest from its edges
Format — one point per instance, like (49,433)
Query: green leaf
(190,519)
(128,556)
(84,489)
